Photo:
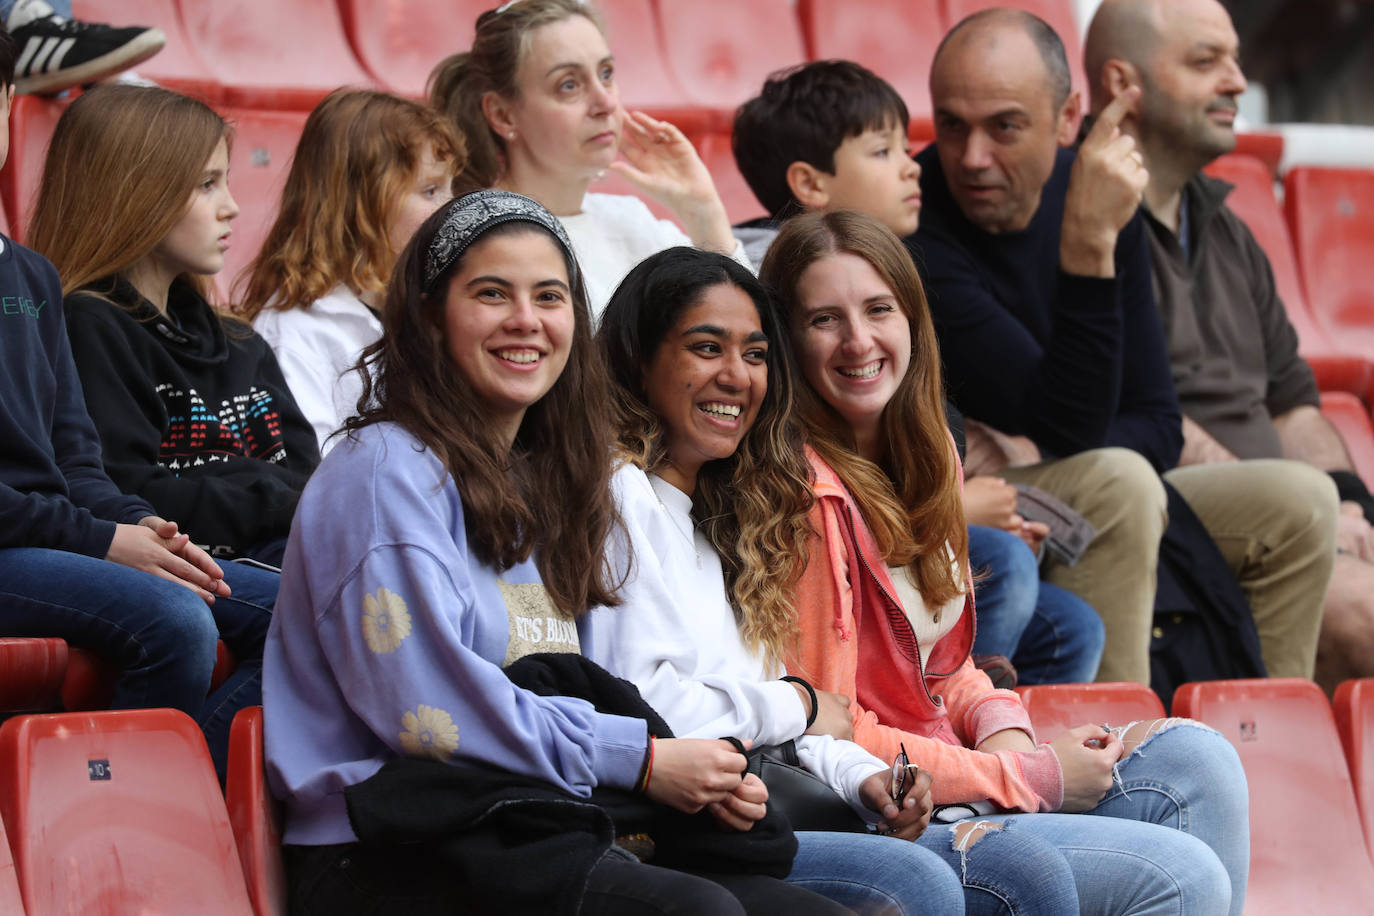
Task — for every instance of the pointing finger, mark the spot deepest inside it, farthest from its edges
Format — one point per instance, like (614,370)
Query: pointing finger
(1112,116)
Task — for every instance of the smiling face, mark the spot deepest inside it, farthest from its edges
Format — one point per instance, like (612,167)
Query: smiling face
(875,174)
(997,129)
(853,340)
(1191,80)
(707,380)
(567,116)
(196,244)
(508,321)
(427,190)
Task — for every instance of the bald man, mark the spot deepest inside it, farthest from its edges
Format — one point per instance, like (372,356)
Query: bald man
(1037,269)
(1244,390)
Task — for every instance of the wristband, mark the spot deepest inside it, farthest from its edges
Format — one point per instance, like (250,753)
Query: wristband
(811,692)
(647,770)
(1350,488)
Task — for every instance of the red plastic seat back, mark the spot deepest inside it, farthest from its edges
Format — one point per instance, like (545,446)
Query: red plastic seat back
(1307,852)
(642,71)
(896,39)
(268,54)
(1354,708)
(255,815)
(32,121)
(176,66)
(11,901)
(1060,15)
(1331,213)
(720,51)
(1348,415)
(1056,708)
(399,41)
(740,202)
(264,143)
(117,812)
(31,672)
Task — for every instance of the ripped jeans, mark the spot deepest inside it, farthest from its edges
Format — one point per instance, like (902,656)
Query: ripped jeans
(1171,836)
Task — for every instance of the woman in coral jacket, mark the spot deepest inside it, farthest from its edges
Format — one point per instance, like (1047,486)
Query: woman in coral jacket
(886,616)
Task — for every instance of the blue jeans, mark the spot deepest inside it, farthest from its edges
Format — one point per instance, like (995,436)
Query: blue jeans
(162,635)
(1172,835)
(1052,636)
(875,874)
(62,8)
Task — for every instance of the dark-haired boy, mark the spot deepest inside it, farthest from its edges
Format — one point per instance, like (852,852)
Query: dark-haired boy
(828,135)
(79,559)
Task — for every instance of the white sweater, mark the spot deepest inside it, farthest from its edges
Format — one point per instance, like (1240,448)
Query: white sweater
(674,636)
(612,234)
(317,348)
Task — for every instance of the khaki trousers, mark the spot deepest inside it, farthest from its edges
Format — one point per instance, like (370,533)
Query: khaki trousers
(1274,521)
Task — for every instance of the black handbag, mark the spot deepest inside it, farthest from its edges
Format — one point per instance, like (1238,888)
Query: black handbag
(808,802)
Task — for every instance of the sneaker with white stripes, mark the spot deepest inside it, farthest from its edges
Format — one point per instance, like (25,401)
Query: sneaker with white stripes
(57,53)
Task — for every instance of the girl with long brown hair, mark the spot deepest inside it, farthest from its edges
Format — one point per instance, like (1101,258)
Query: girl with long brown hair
(886,616)
(538,102)
(134,210)
(368,170)
(424,647)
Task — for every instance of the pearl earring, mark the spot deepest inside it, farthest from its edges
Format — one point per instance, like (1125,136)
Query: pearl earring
(511,135)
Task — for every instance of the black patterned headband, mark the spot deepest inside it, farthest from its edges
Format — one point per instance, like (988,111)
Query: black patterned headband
(471,215)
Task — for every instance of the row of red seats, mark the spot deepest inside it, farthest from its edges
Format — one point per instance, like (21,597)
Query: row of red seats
(674,56)
(127,801)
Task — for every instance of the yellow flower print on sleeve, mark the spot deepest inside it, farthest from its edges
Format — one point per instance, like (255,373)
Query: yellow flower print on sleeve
(386,622)
(429,732)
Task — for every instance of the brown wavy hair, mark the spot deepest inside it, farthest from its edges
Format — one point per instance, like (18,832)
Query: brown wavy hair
(753,505)
(357,153)
(910,497)
(548,494)
(458,82)
(121,167)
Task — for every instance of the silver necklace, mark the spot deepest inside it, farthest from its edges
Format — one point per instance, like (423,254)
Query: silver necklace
(689,535)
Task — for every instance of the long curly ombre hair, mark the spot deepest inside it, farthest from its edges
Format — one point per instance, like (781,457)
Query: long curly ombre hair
(752,506)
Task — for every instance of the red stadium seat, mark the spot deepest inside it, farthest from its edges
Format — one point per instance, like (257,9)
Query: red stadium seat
(31,672)
(641,73)
(264,142)
(31,125)
(117,812)
(89,681)
(1265,146)
(4,220)
(1059,14)
(1331,213)
(1307,851)
(1354,708)
(896,39)
(268,54)
(720,51)
(1056,708)
(255,815)
(176,66)
(400,41)
(11,900)
(1351,420)
(1254,202)
(740,202)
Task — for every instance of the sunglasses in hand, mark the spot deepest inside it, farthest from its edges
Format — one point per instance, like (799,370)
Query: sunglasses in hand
(904,774)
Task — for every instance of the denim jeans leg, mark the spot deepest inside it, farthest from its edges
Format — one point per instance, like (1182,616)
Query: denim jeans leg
(1189,778)
(244,616)
(1063,642)
(161,634)
(875,874)
(1005,870)
(1004,598)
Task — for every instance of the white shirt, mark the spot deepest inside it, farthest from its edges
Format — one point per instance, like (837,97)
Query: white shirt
(675,637)
(612,234)
(922,618)
(317,348)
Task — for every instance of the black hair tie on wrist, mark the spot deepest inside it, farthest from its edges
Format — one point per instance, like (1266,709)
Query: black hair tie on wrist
(811,692)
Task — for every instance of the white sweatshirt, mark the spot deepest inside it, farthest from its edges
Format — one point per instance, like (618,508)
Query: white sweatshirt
(675,637)
(612,234)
